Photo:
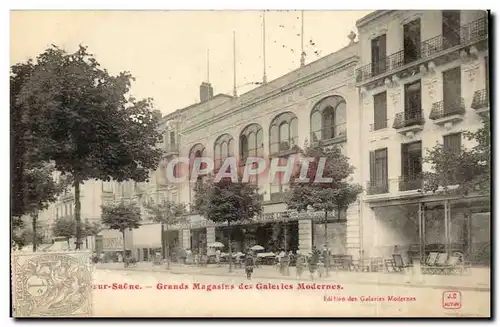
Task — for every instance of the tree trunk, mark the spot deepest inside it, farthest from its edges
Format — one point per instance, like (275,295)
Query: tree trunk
(67,241)
(125,262)
(326,258)
(76,184)
(230,248)
(86,242)
(167,249)
(34,218)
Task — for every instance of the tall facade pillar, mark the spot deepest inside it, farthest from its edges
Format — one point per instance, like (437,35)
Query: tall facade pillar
(305,236)
(210,239)
(185,238)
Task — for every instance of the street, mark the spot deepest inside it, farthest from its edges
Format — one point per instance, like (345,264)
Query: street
(163,294)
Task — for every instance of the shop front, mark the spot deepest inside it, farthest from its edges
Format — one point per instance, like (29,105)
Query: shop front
(110,245)
(147,242)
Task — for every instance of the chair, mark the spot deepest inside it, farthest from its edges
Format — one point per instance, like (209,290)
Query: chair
(389,265)
(399,264)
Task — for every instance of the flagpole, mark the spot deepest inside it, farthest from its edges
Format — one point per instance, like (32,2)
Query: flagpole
(235,93)
(302,54)
(264,77)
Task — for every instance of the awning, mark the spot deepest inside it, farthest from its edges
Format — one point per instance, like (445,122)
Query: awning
(147,236)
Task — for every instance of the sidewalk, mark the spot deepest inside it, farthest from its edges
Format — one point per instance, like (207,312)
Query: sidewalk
(477,280)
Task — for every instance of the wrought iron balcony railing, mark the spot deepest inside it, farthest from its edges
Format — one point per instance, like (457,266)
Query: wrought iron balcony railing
(409,183)
(329,133)
(444,109)
(379,125)
(410,117)
(377,187)
(481,99)
(469,33)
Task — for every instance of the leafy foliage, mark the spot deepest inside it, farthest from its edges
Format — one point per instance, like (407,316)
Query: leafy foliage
(226,201)
(24,236)
(323,196)
(121,217)
(64,227)
(464,172)
(84,122)
(91,228)
(168,213)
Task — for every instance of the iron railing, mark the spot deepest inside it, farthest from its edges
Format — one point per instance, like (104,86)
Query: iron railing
(469,33)
(443,109)
(410,182)
(170,148)
(379,125)
(278,196)
(276,148)
(481,99)
(409,117)
(329,132)
(377,187)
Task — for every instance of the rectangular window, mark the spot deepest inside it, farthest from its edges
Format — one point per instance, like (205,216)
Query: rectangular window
(379,171)
(172,139)
(411,166)
(453,142)
(380,111)
(413,102)
(379,54)
(451,28)
(452,90)
(411,42)
(279,184)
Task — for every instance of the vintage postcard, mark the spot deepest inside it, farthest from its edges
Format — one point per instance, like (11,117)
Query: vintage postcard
(250,163)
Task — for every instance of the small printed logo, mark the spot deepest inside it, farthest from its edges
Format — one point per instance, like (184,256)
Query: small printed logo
(452,300)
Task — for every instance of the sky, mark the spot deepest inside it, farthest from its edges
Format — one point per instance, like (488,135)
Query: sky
(167,51)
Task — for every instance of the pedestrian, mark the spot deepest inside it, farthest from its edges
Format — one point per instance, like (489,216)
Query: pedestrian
(217,257)
(321,268)
(249,265)
(299,264)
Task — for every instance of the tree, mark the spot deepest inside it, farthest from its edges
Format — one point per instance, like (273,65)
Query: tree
(64,227)
(90,228)
(89,128)
(464,172)
(23,236)
(335,195)
(166,213)
(33,187)
(227,202)
(40,190)
(121,217)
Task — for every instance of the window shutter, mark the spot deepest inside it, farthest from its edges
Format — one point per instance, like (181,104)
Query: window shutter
(372,167)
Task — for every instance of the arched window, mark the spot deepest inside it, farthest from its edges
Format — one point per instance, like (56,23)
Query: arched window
(283,133)
(251,145)
(251,142)
(223,148)
(197,151)
(328,119)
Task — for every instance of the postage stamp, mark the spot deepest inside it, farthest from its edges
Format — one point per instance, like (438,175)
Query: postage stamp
(57,284)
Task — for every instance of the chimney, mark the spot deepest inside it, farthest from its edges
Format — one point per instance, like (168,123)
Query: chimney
(157,114)
(206,92)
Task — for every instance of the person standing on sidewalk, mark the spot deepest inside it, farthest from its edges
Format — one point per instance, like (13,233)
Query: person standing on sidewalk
(299,264)
(249,265)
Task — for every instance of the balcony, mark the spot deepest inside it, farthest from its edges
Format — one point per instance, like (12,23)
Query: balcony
(170,149)
(481,102)
(431,49)
(447,113)
(377,187)
(409,121)
(410,183)
(379,125)
(330,135)
(282,149)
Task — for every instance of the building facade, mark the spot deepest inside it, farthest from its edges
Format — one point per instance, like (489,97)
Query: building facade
(423,80)
(413,79)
